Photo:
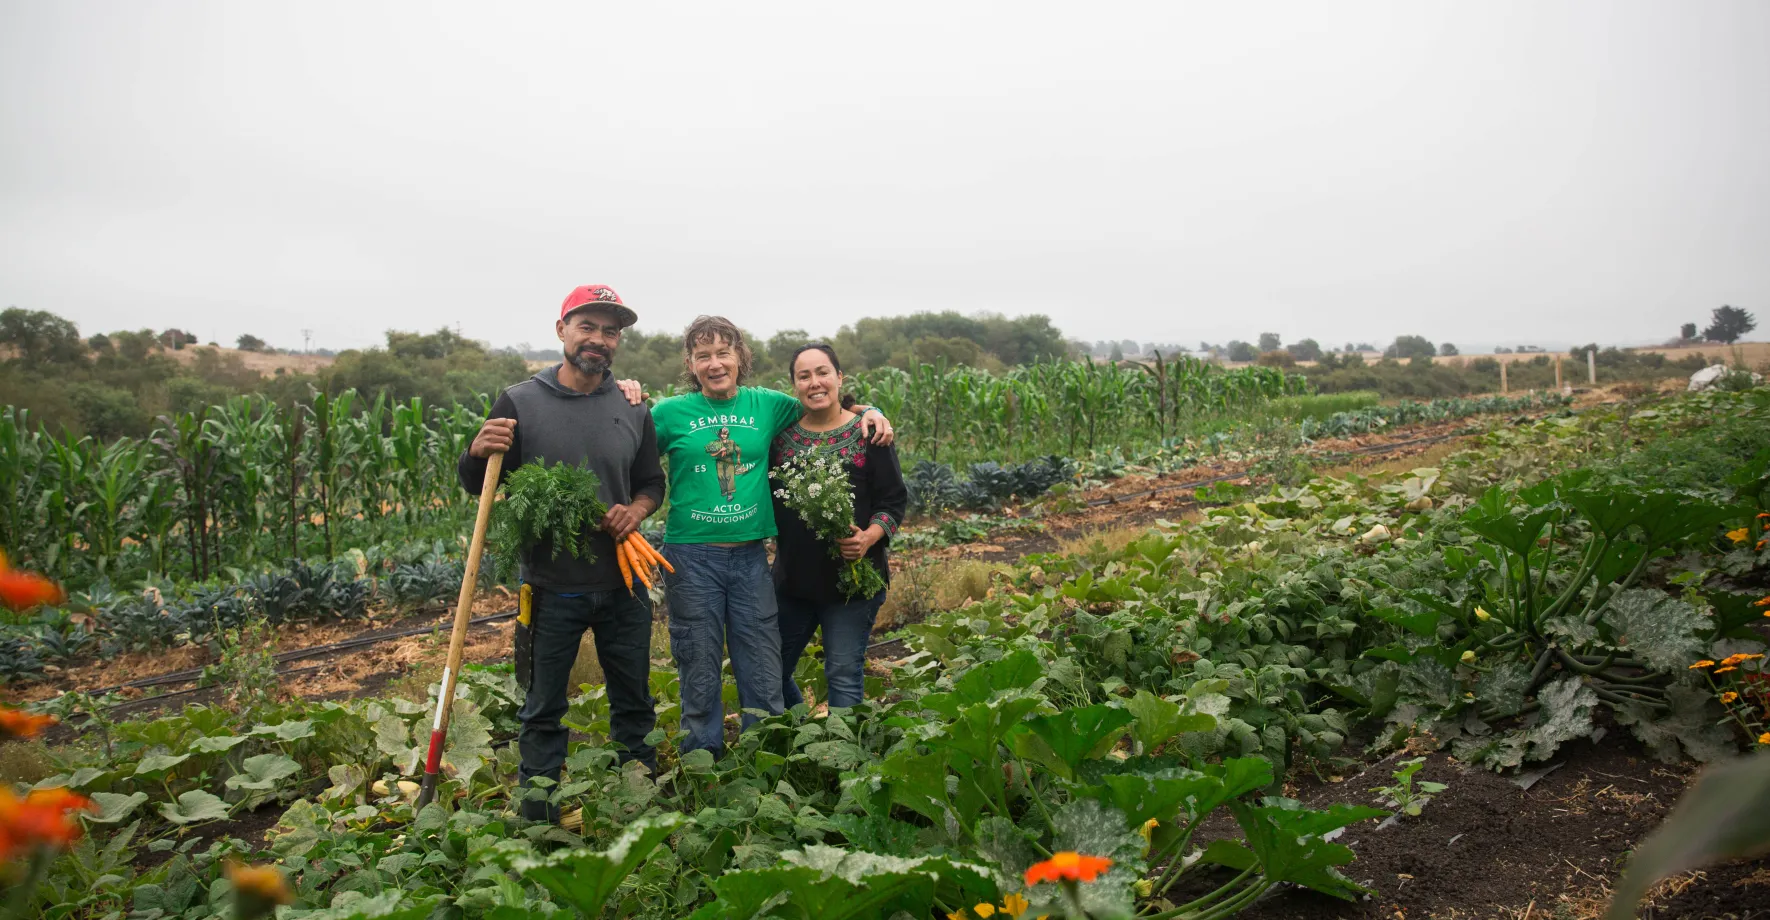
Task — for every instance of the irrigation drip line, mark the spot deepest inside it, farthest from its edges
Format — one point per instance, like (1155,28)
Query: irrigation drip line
(146,700)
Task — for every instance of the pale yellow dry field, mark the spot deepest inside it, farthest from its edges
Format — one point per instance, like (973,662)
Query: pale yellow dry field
(1753,354)
(262,362)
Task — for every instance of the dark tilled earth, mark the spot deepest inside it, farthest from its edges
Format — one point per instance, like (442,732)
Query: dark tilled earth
(1485,847)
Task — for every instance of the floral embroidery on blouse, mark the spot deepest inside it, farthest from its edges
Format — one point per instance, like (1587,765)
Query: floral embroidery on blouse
(847,442)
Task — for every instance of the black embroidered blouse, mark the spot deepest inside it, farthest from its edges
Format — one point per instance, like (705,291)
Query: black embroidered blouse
(804,566)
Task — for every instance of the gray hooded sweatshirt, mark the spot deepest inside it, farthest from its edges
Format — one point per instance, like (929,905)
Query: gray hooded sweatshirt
(598,429)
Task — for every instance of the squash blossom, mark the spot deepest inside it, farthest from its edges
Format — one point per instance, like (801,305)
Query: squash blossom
(1740,535)
(1482,615)
(16,723)
(1067,866)
(1469,657)
(1013,905)
(24,590)
(44,817)
(1764,738)
(259,889)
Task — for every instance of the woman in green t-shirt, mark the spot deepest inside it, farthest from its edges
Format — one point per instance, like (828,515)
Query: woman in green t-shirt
(722,594)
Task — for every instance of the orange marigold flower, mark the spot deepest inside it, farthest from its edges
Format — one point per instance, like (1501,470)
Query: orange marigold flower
(16,723)
(1761,602)
(24,590)
(262,882)
(44,817)
(1725,669)
(1705,663)
(1764,738)
(1729,697)
(1067,866)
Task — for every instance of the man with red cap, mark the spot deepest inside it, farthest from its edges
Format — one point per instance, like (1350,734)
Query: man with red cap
(574,413)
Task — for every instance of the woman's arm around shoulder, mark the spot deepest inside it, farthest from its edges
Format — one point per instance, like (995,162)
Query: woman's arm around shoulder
(885,485)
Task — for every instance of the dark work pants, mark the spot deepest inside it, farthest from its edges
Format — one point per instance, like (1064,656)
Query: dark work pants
(621,624)
(847,627)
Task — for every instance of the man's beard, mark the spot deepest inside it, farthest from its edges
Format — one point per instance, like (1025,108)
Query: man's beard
(590,362)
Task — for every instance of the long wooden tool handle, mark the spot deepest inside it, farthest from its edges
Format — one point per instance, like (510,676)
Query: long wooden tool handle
(445,698)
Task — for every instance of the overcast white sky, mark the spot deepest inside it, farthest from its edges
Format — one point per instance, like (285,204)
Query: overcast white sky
(1478,172)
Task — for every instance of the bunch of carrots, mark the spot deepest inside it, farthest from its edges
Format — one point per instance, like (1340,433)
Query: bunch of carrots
(638,559)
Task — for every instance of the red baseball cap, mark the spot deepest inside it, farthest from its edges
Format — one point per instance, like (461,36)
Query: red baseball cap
(601,296)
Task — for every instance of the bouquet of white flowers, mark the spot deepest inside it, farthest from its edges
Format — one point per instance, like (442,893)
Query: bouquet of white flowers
(815,485)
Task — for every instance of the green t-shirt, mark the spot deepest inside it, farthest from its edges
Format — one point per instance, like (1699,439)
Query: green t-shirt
(718,451)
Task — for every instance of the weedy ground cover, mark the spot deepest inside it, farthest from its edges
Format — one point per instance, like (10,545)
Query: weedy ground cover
(1107,704)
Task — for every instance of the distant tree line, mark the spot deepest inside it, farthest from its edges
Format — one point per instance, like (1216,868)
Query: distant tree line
(117,383)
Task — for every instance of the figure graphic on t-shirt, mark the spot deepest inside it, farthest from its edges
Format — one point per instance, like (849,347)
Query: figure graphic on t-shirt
(728,455)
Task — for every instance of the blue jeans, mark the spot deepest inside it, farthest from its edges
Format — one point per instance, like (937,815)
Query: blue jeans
(720,596)
(847,627)
(621,623)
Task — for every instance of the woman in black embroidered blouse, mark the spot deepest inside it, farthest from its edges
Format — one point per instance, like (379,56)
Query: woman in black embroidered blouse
(805,572)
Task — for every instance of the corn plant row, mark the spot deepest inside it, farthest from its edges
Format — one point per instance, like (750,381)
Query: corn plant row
(238,485)
(1064,407)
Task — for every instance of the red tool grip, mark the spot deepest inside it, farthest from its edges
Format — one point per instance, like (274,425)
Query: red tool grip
(434,761)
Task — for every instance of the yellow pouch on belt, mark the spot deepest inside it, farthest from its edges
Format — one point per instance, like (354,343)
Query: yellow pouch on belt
(524,651)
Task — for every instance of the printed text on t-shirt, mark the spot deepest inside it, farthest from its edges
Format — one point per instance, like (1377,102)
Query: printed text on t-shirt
(715,421)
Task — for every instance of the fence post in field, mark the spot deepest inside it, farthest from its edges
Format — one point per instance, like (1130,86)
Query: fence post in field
(1503,364)
(1592,367)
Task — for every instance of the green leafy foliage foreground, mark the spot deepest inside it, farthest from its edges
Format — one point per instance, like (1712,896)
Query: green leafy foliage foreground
(1106,703)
